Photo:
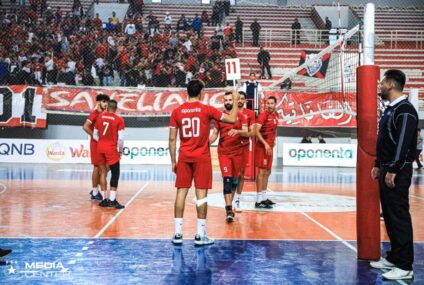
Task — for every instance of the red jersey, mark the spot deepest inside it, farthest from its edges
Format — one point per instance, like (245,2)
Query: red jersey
(92,118)
(269,123)
(250,120)
(192,119)
(230,145)
(108,125)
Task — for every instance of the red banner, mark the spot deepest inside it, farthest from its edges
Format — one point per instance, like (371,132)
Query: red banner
(315,110)
(295,109)
(20,106)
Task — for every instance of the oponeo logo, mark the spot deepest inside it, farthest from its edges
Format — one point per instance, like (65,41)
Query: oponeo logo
(55,152)
(145,151)
(340,153)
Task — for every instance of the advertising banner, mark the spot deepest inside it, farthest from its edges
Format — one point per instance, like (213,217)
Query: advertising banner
(305,154)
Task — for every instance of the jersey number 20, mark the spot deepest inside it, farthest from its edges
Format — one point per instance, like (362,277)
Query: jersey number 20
(191,127)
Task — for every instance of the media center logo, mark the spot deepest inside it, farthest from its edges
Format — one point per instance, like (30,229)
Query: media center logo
(37,270)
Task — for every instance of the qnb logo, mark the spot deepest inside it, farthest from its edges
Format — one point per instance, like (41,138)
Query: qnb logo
(340,153)
(145,151)
(17,149)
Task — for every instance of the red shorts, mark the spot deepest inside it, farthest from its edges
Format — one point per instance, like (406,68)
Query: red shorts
(95,158)
(245,156)
(200,171)
(108,156)
(230,165)
(261,159)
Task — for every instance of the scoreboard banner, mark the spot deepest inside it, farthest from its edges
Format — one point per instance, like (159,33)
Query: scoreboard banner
(20,106)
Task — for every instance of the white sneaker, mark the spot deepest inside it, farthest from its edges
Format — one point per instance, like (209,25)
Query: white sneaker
(237,207)
(203,240)
(398,274)
(177,239)
(382,264)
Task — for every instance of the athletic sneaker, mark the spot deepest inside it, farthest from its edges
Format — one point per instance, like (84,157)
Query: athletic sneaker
(269,202)
(230,216)
(177,239)
(262,205)
(237,207)
(104,203)
(381,217)
(115,204)
(203,241)
(98,196)
(398,274)
(382,264)
(4,252)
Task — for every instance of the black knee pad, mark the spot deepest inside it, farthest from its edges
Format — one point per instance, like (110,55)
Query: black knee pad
(227,185)
(234,183)
(115,170)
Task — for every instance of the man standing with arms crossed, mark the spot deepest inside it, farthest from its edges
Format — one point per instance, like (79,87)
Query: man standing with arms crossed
(102,102)
(192,121)
(250,119)
(396,147)
(109,133)
(230,152)
(266,132)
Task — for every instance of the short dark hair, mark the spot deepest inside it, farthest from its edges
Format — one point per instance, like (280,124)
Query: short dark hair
(101,97)
(113,105)
(252,73)
(242,93)
(228,93)
(194,87)
(272,98)
(397,77)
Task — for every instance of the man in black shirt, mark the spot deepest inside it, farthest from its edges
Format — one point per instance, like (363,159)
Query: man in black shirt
(296,31)
(255,28)
(263,59)
(239,30)
(396,147)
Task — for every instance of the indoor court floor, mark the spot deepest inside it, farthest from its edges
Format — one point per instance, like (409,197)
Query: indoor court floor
(59,236)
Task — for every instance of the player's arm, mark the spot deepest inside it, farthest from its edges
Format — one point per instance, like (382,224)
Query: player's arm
(232,116)
(214,136)
(95,135)
(242,132)
(251,131)
(268,149)
(173,147)
(87,129)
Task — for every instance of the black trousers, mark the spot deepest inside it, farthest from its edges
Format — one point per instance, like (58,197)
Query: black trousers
(395,205)
(255,42)
(417,158)
(268,69)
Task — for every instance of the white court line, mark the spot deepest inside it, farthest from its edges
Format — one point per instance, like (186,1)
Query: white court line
(340,239)
(4,188)
(416,197)
(121,211)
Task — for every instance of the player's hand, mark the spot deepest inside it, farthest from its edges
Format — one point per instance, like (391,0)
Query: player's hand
(375,173)
(235,96)
(268,149)
(120,154)
(174,167)
(232,132)
(390,179)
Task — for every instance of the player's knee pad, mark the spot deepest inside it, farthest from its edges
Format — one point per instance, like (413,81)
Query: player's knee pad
(115,171)
(234,184)
(227,185)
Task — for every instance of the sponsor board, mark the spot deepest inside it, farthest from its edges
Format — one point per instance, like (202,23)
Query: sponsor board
(292,202)
(336,155)
(78,151)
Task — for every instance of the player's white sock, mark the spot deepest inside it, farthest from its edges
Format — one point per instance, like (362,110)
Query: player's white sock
(179,226)
(95,191)
(237,197)
(112,195)
(201,227)
(258,197)
(264,196)
(104,194)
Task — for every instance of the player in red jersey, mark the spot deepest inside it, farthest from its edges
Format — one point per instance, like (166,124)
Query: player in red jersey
(230,151)
(102,102)
(109,133)
(191,121)
(250,119)
(266,132)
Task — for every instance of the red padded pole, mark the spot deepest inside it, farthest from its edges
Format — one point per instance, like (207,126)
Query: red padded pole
(367,191)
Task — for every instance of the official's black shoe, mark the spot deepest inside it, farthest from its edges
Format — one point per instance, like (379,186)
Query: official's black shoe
(262,205)
(4,252)
(105,203)
(269,202)
(115,204)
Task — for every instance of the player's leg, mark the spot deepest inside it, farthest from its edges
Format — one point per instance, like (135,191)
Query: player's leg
(202,173)
(183,184)
(225,163)
(262,164)
(95,176)
(103,185)
(115,170)
(265,198)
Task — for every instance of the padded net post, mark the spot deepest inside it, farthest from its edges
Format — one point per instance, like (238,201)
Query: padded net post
(367,191)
